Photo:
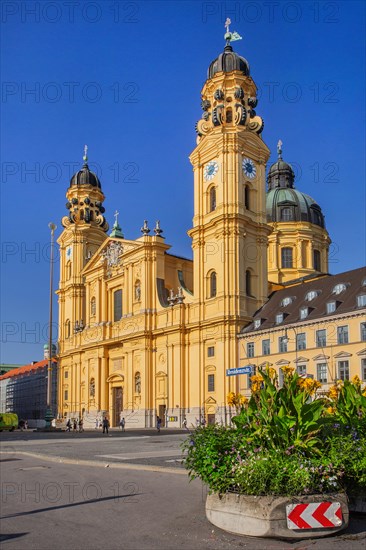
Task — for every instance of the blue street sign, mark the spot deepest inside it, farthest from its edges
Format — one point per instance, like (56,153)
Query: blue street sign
(239,370)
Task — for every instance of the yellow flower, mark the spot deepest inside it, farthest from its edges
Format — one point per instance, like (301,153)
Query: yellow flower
(333,392)
(243,400)
(231,398)
(331,410)
(288,370)
(356,380)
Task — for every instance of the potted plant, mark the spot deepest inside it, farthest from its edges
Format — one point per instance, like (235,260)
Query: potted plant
(283,469)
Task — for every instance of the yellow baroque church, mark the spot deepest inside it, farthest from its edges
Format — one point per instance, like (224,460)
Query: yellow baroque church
(145,333)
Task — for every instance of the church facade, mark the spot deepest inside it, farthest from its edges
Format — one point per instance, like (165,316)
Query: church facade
(145,333)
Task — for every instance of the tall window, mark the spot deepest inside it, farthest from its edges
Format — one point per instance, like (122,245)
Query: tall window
(321,338)
(212,199)
(316,260)
(286,214)
(117,305)
(321,372)
(282,344)
(266,347)
(93,306)
(363,332)
(211,382)
(250,349)
(248,283)
(342,334)
(213,285)
(247,197)
(286,257)
(363,370)
(343,370)
(301,370)
(301,341)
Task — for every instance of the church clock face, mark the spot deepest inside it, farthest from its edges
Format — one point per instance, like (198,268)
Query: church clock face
(249,168)
(210,170)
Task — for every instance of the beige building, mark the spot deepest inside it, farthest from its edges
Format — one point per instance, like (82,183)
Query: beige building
(145,333)
(317,326)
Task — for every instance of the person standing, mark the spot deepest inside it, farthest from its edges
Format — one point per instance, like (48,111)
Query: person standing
(158,423)
(105,425)
(81,429)
(122,424)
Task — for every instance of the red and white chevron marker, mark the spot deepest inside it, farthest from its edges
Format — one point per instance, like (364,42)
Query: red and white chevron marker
(315,515)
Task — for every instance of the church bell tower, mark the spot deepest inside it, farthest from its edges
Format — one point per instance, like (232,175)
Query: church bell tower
(229,234)
(84,231)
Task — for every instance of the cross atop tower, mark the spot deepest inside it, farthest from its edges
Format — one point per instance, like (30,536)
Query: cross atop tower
(116,214)
(279,149)
(85,157)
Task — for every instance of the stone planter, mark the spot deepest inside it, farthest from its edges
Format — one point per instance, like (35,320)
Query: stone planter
(265,516)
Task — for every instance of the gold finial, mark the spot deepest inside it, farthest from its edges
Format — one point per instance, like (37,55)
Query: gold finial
(85,157)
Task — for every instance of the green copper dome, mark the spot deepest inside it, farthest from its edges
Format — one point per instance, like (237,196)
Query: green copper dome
(284,203)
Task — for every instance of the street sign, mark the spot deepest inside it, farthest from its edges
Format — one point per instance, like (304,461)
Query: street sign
(315,515)
(239,370)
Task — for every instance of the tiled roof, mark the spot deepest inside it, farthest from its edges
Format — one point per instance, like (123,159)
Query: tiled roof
(346,301)
(26,369)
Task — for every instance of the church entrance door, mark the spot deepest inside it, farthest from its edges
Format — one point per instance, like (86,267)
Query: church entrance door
(117,404)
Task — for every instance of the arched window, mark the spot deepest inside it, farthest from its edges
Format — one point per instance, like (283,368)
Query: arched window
(213,283)
(67,328)
(93,306)
(229,115)
(248,283)
(117,305)
(286,257)
(92,387)
(212,199)
(247,197)
(137,382)
(317,260)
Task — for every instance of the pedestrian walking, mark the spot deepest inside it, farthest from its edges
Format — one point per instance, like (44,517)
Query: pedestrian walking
(105,424)
(81,428)
(97,423)
(185,423)
(158,423)
(122,424)
(74,425)
(68,425)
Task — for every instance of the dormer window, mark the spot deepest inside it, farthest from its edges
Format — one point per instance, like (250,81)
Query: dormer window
(286,301)
(257,323)
(311,295)
(286,214)
(361,300)
(364,282)
(304,312)
(339,288)
(280,318)
(331,307)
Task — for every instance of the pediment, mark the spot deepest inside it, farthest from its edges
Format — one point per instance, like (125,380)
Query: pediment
(210,401)
(342,354)
(112,252)
(321,357)
(160,374)
(301,360)
(282,362)
(265,364)
(362,352)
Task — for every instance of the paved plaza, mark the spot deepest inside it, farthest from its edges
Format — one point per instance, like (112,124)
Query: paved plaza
(121,490)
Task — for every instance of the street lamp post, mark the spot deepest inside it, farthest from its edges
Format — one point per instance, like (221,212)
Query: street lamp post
(49,413)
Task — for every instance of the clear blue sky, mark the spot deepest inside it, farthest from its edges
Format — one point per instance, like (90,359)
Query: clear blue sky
(125,78)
